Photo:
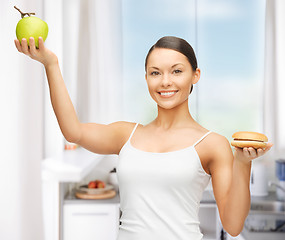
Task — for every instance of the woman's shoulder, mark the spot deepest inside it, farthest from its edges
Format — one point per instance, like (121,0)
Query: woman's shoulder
(218,145)
(217,137)
(124,127)
(217,140)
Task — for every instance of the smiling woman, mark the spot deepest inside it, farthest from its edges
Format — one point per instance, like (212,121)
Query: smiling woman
(179,45)
(171,71)
(187,164)
(165,78)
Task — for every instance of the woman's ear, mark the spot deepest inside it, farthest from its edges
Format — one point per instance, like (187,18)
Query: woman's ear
(197,74)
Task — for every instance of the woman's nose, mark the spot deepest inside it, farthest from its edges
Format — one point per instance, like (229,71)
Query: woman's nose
(166,80)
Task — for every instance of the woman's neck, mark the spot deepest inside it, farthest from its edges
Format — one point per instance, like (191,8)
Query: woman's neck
(174,118)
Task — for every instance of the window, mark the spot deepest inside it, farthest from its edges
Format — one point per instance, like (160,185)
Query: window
(228,38)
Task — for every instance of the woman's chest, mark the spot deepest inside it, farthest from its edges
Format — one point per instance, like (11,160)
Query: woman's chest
(160,143)
(172,144)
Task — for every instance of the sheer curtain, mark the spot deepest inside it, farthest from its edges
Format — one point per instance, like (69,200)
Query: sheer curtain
(274,84)
(99,84)
(86,36)
(21,123)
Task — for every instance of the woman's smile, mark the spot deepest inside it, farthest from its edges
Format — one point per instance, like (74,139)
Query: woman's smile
(167,94)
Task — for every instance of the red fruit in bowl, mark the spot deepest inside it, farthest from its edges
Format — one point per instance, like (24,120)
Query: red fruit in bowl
(92,184)
(100,184)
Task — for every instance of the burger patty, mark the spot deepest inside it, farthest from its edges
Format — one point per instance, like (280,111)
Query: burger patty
(237,139)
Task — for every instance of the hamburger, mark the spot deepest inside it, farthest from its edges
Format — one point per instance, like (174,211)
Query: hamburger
(249,139)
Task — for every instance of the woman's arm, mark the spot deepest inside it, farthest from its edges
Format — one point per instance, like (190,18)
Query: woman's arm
(98,138)
(61,103)
(230,179)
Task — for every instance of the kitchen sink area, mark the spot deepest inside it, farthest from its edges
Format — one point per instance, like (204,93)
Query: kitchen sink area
(266,219)
(271,207)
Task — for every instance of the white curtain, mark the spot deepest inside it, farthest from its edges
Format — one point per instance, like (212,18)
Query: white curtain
(95,79)
(274,84)
(21,123)
(86,36)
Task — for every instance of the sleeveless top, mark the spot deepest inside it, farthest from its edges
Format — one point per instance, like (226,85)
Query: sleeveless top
(160,193)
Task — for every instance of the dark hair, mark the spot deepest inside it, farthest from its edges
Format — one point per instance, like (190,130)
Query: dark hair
(179,45)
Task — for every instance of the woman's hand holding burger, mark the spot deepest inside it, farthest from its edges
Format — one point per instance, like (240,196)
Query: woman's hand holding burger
(249,145)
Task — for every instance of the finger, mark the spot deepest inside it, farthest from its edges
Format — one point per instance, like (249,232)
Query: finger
(239,150)
(252,152)
(32,47)
(268,146)
(266,150)
(236,148)
(25,47)
(245,152)
(41,44)
(18,45)
(260,152)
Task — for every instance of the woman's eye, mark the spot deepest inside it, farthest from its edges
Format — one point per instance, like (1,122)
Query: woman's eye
(177,71)
(154,73)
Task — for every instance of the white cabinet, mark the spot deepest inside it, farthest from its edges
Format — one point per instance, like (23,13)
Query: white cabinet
(90,221)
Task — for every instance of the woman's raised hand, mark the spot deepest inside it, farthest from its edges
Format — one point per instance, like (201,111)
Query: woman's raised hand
(42,54)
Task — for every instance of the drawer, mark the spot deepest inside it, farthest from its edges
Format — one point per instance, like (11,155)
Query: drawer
(90,221)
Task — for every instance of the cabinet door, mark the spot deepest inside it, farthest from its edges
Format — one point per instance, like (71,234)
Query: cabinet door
(90,221)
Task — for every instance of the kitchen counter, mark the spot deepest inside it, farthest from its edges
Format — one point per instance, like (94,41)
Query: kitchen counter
(70,165)
(71,199)
(207,198)
(247,235)
(270,197)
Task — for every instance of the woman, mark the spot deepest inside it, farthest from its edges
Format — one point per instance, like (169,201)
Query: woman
(163,166)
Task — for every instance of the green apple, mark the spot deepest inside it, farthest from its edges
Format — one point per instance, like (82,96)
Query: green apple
(31,27)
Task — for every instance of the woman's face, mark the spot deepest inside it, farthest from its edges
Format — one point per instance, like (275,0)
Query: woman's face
(169,77)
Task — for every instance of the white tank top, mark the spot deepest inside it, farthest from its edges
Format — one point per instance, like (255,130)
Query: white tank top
(160,193)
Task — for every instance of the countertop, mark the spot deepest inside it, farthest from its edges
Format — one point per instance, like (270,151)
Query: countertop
(270,197)
(70,165)
(71,199)
(207,197)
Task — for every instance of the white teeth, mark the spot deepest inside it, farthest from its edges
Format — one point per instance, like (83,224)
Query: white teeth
(167,93)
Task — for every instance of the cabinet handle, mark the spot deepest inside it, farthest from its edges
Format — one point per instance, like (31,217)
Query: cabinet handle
(90,214)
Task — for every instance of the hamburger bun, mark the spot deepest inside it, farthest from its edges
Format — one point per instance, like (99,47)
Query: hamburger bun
(249,139)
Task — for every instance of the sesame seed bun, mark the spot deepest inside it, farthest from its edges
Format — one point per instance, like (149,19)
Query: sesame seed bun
(249,139)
